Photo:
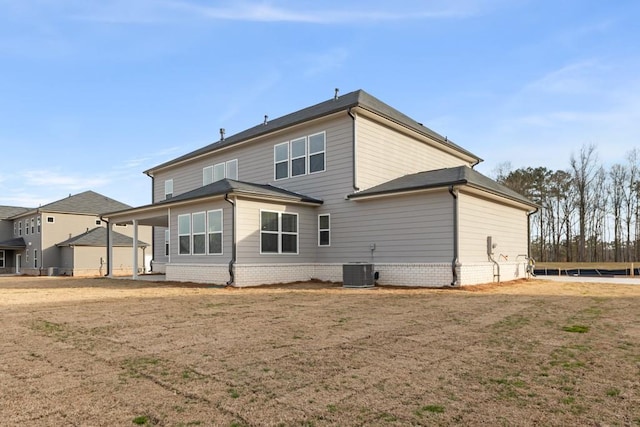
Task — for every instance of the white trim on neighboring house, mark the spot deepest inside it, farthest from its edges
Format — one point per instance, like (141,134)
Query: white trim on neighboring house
(2,258)
(199,233)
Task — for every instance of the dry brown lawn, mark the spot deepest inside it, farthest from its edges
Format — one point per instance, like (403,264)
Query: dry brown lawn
(117,352)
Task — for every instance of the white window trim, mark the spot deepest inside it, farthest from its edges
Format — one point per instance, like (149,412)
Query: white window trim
(35,258)
(206,181)
(183,234)
(226,170)
(39,225)
(52,218)
(221,232)
(324,229)
(276,162)
(15,228)
(167,242)
(304,156)
(26,227)
(168,185)
(19,228)
(307,156)
(324,152)
(194,234)
(2,258)
(33,226)
(280,232)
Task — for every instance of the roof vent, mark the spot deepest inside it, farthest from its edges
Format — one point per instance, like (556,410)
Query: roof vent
(335,96)
(221,134)
(266,119)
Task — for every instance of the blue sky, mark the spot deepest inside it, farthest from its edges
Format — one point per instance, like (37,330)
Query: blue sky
(93,92)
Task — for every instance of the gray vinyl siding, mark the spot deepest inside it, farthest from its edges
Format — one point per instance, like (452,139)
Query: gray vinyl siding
(248,233)
(480,218)
(199,259)
(384,154)
(416,228)
(256,164)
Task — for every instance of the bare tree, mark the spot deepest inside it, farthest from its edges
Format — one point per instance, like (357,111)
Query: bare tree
(630,199)
(617,185)
(584,170)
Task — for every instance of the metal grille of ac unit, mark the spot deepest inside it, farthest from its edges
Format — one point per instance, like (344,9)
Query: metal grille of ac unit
(358,275)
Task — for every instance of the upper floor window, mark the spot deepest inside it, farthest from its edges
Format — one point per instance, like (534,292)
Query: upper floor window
(228,169)
(33,226)
(19,228)
(301,156)
(26,227)
(278,232)
(168,189)
(15,228)
(51,219)
(39,225)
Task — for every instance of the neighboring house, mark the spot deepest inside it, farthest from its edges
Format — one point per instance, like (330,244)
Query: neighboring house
(66,237)
(348,180)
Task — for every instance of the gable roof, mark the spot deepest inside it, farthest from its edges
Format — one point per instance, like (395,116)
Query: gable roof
(10,211)
(358,98)
(17,243)
(442,178)
(88,203)
(97,237)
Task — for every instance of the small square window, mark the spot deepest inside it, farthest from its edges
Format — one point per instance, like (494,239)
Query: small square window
(51,219)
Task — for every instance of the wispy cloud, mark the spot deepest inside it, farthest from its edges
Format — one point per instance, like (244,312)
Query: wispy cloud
(68,182)
(161,11)
(325,61)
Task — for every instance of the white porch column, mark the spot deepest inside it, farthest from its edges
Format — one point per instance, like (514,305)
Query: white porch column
(135,249)
(109,249)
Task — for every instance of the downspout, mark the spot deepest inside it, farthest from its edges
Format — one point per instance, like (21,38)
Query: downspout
(355,144)
(232,262)
(454,262)
(476,163)
(530,261)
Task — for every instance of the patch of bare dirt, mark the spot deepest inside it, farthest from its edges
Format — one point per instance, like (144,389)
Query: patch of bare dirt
(118,352)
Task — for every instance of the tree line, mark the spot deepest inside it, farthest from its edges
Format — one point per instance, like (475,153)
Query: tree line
(588,213)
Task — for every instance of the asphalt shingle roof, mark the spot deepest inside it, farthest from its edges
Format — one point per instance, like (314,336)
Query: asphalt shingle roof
(88,202)
(17,243)
(98,237)
(9,211)
(461,175)
(226,185)
(358,98)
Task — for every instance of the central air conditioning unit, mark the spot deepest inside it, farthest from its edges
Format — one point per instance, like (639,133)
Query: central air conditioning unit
(358,275)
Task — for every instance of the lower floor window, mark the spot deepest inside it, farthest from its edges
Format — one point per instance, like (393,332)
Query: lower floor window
(35,258)
(324,230)
(278,232)
(1,259)
(199,233)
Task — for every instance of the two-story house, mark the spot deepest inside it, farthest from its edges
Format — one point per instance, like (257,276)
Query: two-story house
(66,237)
(350,179)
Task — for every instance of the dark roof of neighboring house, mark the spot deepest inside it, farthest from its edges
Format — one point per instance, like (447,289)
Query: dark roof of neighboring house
(440,178)
(17,243)
(226,185)
(98,237)
(9,211)
(88,202)
(358,98)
